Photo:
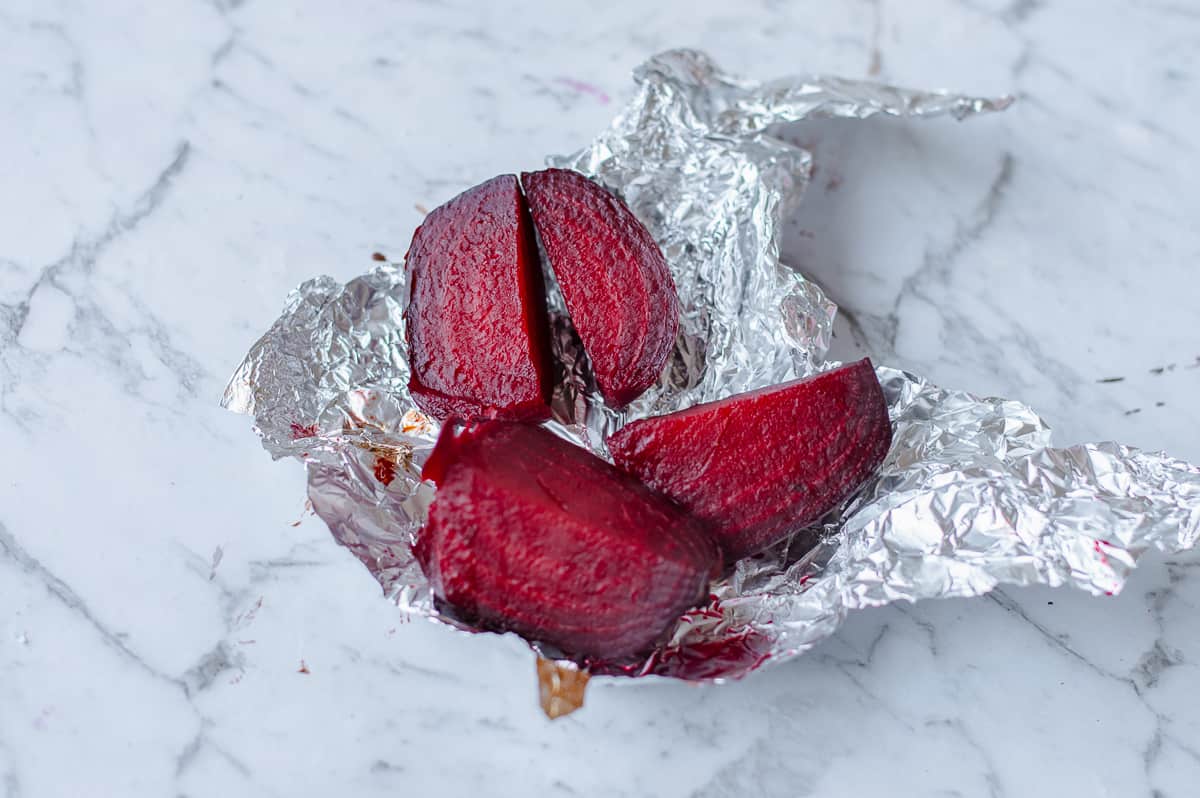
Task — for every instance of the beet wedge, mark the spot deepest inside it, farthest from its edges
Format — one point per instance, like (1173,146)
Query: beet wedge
(476,324)
(763,464)
(531,534)
(614,279)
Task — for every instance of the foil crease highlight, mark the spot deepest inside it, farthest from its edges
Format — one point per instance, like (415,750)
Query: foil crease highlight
(970,496)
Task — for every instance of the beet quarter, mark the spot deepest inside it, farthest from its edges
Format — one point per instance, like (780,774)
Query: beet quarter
(763,464)
(531,534)
(614,279)
(478,344)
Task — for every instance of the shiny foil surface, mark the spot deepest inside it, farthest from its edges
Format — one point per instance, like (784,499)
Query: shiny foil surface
(971,495)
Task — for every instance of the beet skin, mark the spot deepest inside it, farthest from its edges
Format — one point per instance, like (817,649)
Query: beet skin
(614,279)
(531,534)
(476,325)
(763,464)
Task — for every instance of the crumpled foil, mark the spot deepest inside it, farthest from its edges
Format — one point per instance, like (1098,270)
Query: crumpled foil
(969,497)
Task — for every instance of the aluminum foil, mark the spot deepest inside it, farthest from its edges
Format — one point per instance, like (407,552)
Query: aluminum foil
(970,496)
(693,157)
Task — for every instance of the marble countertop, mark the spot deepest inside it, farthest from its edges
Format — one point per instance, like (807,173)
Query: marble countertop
(175,623)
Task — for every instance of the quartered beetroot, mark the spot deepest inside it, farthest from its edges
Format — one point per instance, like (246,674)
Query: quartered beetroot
(478,341)
(614,279)
(531,534)
(760,465)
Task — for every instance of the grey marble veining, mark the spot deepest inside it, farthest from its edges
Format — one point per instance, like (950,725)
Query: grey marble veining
(177,623)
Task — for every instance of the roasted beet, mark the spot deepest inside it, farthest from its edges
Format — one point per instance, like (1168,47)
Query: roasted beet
(531,534)
(760,465)
(478,344)
(614,278)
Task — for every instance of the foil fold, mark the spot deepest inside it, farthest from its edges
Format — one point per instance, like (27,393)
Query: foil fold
(971,495)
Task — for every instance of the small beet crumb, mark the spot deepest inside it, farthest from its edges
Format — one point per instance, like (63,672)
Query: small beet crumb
(385,470)
(303,668)
(378,256)
(421,209)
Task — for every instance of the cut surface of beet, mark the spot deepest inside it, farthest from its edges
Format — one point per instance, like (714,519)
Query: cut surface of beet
(476,325)
(760,465)
(614,278)
(531,534)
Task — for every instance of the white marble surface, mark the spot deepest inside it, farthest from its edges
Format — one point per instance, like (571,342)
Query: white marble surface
(171,169)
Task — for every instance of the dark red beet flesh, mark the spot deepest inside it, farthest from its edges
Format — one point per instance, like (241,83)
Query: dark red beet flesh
(761,465)
(478,343)
(614,278)
(531,534)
